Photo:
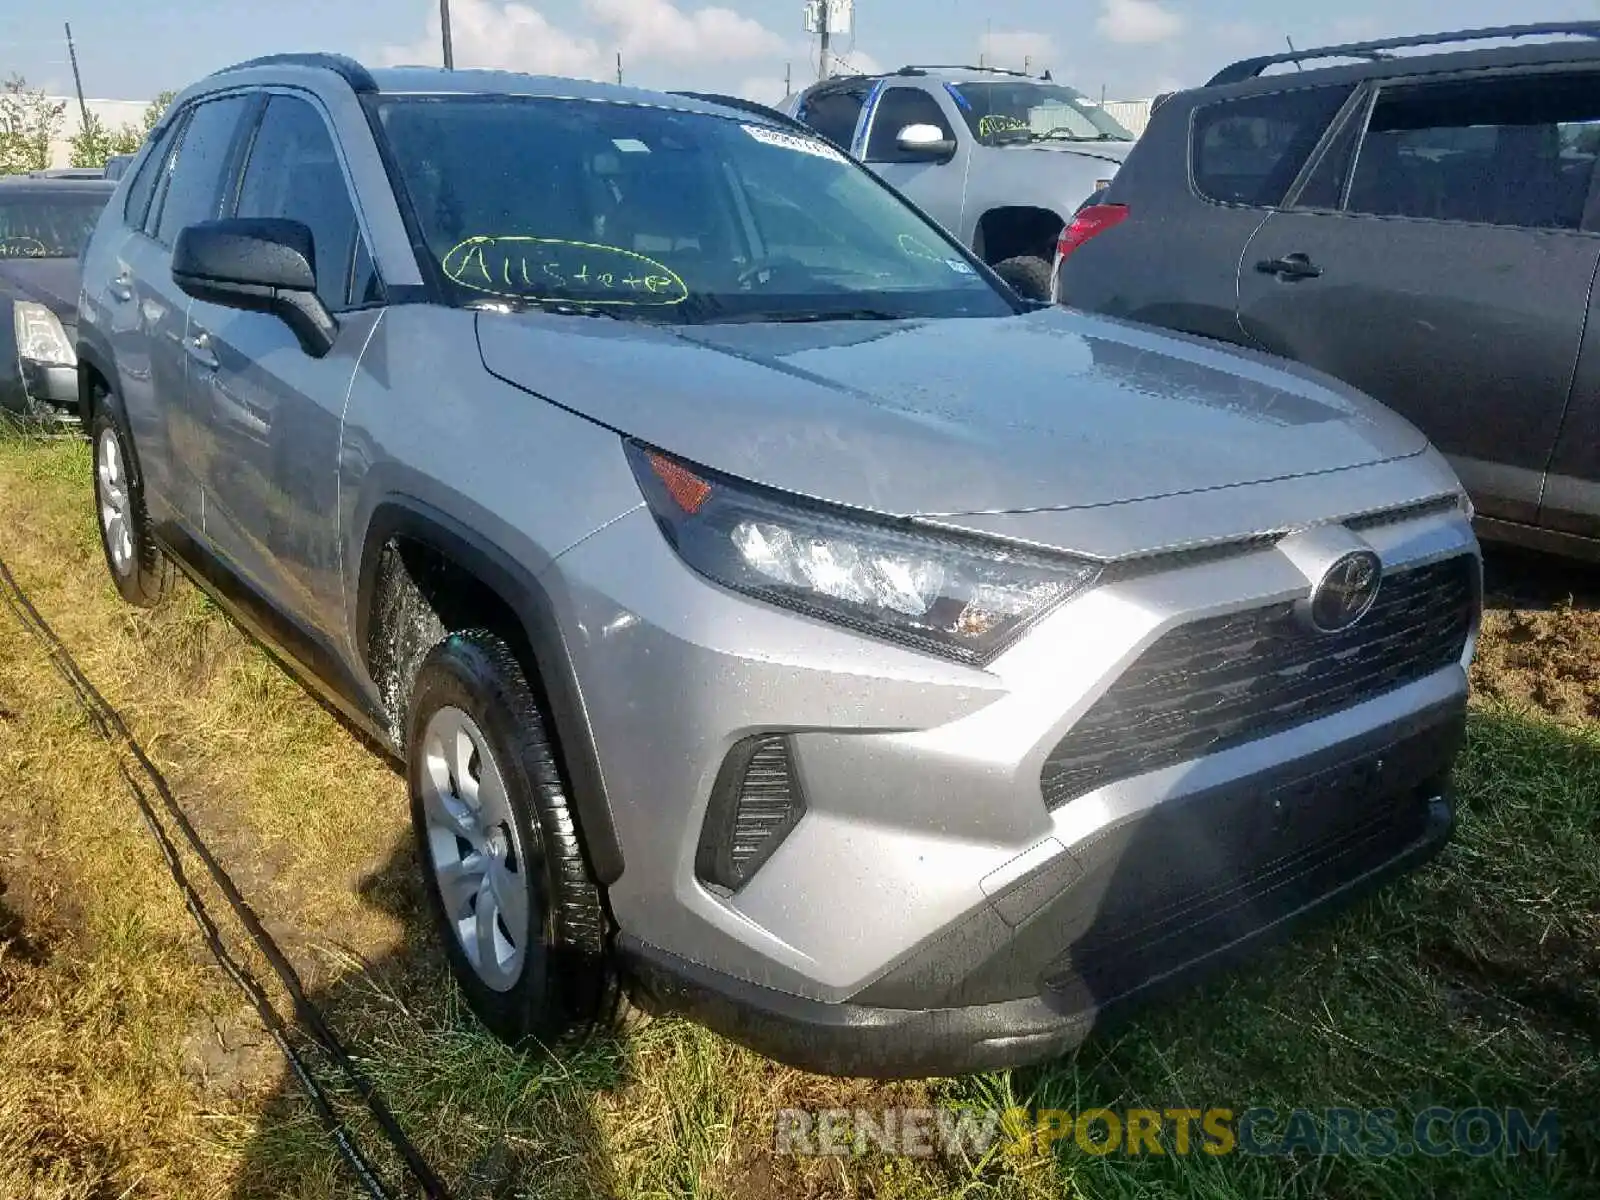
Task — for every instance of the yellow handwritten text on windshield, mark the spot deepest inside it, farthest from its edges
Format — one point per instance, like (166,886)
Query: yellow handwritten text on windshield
(555,270)
(999,123)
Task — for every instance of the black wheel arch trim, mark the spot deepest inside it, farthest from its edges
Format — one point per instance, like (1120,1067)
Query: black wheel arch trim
(95,352)
(406,516)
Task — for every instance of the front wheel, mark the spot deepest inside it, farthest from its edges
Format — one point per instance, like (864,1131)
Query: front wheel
(518,911)
(1028,276)
(140,570)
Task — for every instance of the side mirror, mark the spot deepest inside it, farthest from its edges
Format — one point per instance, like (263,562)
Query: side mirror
(259,265)
(925,142)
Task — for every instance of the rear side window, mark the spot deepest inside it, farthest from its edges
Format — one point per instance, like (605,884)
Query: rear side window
(144,183)
(1249,150)
(203,168)
(898,108)
(1517,151)
(834,115)
(294,173)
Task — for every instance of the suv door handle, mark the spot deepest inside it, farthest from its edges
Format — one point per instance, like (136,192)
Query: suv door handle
(1290,266)
(121,288)
(198,348)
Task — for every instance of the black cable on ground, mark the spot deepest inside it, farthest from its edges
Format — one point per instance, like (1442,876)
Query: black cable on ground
(110,725)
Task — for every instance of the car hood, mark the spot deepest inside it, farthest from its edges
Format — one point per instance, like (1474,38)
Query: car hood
(1048,410)
(53,282)
(1111,152)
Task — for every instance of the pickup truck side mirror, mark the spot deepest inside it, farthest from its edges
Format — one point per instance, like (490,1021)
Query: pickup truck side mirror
(925,142)
(258,264)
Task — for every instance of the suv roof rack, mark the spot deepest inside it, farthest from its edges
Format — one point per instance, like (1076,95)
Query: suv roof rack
(1249,68)
(924,68)
(348,69)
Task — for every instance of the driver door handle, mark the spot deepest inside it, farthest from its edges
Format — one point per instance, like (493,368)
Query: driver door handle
(198,348)
(1290,266)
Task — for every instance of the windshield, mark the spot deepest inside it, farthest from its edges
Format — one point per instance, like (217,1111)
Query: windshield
(47,225)
(1024,111)
(652,214)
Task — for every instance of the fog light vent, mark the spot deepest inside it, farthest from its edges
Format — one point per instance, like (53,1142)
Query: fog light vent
(755,803)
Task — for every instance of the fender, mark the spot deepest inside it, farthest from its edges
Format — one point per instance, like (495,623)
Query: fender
(94,350)
(406,516)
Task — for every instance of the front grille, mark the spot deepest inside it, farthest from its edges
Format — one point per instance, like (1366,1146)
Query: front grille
(1228,680)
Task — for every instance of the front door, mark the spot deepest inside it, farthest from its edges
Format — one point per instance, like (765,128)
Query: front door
(935,186)
(272,411)
(1450,278)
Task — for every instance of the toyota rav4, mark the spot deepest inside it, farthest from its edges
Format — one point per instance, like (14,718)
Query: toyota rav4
(772,612)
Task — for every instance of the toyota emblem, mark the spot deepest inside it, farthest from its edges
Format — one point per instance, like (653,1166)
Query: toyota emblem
(1345,593)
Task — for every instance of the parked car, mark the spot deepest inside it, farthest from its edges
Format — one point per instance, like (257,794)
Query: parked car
(999,158)
(770,609)
(1423,226)
(43,226)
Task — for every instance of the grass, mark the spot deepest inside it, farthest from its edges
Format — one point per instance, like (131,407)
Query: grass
(130,1067)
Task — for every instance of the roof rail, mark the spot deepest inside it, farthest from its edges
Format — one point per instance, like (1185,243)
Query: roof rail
(348,69)
(923,68)
(1249,68)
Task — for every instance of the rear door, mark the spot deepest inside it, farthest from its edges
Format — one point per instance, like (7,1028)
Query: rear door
(150,314)
(1447,272)
(1196,187)
(272,413)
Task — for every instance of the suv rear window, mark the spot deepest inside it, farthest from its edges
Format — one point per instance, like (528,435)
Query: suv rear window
(1249,150)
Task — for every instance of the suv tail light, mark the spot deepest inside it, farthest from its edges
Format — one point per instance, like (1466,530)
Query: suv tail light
(1095,219)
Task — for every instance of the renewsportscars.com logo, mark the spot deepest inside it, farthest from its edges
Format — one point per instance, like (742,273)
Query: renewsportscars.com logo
(1360,1132)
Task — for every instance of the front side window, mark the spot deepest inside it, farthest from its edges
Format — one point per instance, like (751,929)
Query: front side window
(897,108)
(1249,150)
(47,224)
(1515,151)
(201,169)
(1001,113)
(294,174)
(650,214)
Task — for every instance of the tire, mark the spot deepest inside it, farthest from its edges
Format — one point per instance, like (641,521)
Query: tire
(140,570)
(1028,276)
(551,979)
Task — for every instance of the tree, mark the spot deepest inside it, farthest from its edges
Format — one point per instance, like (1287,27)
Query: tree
(94,143)
(29,121)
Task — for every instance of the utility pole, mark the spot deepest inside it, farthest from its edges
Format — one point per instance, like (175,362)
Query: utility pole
(619,68)
(444,29)
(788,80)
(822,59)
(77,80)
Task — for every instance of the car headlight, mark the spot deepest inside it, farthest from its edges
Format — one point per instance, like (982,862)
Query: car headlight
(40,336)
(964,598)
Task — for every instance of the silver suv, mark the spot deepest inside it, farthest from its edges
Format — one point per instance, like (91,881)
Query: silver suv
(1001,159)
(771,611)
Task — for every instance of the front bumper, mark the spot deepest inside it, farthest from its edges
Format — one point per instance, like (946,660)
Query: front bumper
(930,912)
(1136,921)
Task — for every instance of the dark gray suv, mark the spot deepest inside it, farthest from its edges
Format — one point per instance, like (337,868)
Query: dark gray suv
(1426,227)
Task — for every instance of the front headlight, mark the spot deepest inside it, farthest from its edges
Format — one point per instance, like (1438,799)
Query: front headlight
(967,599)
(40,337)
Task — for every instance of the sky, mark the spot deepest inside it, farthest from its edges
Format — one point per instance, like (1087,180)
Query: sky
(132,49)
